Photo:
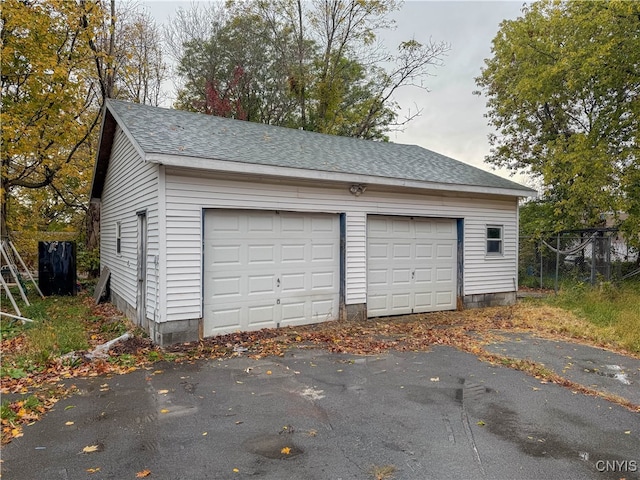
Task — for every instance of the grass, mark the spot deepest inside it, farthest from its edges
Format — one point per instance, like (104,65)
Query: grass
(611,310)
(60,325)
(382,472)
(58,328)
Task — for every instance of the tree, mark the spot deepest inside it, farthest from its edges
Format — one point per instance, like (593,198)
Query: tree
(128,56)
(60,60)
(562,90)
(311,65)
(48,113)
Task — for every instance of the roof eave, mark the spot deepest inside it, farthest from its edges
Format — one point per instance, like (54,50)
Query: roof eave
(288,172)
(110,120)
(107,132)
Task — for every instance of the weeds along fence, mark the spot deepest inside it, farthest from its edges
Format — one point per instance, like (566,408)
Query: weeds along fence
(587,256)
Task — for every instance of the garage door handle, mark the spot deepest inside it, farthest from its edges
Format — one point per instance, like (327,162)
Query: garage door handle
(413,274)
(277,282)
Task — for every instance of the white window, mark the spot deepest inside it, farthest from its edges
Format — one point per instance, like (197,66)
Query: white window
(118,238)
(494,239)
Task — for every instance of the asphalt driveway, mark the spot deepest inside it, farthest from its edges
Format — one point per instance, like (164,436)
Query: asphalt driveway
(317,415)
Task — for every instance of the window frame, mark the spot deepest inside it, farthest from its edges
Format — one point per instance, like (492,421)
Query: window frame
(118,238)
(491,240)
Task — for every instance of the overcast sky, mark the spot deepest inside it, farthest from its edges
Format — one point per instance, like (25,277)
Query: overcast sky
(452,120)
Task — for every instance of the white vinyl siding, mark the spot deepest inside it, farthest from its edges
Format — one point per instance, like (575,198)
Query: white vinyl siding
(130,186)
(188,195)
(356,253)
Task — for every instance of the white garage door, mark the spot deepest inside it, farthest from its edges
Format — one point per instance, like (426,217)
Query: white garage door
(268,269)
(411,265)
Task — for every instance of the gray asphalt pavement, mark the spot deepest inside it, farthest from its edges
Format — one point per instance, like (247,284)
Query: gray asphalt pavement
(441,414)
(600,369)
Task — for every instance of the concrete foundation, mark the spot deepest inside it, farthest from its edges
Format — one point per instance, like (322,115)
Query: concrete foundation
(479,300)
(176,331)
(357,311)
(165,333)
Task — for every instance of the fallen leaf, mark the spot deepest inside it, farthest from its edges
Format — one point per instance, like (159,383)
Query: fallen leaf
(93,470)
(143,473)
(268,372)
(164,410)
(286,450)
(235,470)
(204,434)
(481,423)
(69,407)
(628,432)
(90,449)
(69,423)
(435,379)
(162,392)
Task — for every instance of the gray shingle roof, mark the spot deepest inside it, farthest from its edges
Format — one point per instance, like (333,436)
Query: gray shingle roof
(175,132)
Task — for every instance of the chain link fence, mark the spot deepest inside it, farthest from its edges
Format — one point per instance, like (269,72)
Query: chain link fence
(589,256)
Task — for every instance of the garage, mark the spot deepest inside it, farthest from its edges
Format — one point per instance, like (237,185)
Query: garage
(266,269)
(411,265)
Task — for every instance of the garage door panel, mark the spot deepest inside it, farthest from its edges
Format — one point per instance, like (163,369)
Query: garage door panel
(423,229)
(423,300)
(321,252)
(227,318)
(260,284)
(261,254)
(400,301)
(446,228)
(378,250)
(293,312)
(408,260)
(401,251)
(292,224)
(224,224)
(323,310)
(423,275)
(265,269)
(292,253)
(444,299)
(323,225)
(225,255)
(260,224)
(445,251)
(293,282)
(400,226)
(261,316)
(225,287)
(378,277)
(323,280)
(424,251)
(401,276)
(444,274)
